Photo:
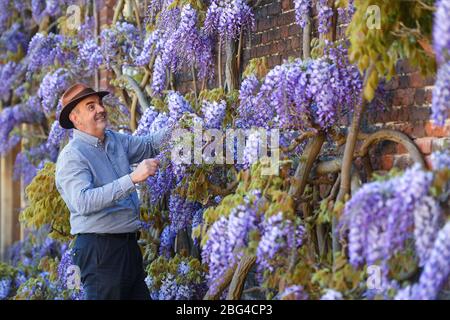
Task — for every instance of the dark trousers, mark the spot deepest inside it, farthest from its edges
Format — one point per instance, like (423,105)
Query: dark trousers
(111,267)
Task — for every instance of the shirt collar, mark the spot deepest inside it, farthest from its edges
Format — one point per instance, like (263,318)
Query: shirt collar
(96,142)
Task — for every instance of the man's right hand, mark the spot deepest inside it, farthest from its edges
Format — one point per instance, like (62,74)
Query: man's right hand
(145,169)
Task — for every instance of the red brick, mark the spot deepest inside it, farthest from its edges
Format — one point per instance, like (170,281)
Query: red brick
(273,61)
(263,24)
(286,4)
(288,17)
(260,51)
(264,37)
(288,45)
(420,113)
(275,47)
(295,42)
(428,96)
(403,67)
(392,84)
(418,131)
(292,53)
(387,147)
(404,97)
(294,29)
(403,81)
(429,81)
(401,149)
(260,12)
(266,50)
(274,34)
(399,114)
(256,38)
(274,9)
(406,128)
(281,46)
(416,80)
(419,97)
(403,161)
(246,55)
(424,144)
(284,32)
(387,161)
(436,131)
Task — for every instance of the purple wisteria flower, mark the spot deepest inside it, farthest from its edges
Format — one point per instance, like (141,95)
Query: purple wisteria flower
(55,138)
(324,16)
(90,54)
(52,86)
(214,113)
(216,253)
(11,117)
(5,288)
(227,238)
(382,215)
(294,292)
(302,9)
(441,95)
(65,263)
(177,105)
(441,160)
(331,294)
(146,121)
(435,272)
(427,221)
(152,46)
(13,39)
(8,75)
(279,237)
(43,50)
(182,43)
(441,31)
(228,18)
(166,242)
(120,42)
(4,16)
(302,93)
(181,212)
(159,76)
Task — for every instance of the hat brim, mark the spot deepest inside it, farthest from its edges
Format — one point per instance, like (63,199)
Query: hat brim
(64,120)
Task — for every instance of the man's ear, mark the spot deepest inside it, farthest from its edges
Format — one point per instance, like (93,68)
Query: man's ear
(74,118)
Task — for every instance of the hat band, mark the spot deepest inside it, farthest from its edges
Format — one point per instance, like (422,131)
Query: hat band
(80,94)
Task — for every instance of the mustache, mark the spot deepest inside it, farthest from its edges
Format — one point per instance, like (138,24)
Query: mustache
(100,115)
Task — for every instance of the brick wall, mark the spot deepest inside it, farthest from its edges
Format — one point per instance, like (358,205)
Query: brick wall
(408,108)
(407,96)
(277,36)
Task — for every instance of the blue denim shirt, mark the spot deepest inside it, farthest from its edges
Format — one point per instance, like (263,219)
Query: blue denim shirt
(94,180)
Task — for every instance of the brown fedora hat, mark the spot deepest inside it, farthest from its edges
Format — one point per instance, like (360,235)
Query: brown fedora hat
(71,97)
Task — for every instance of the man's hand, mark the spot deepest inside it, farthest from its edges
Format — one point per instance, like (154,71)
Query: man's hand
(145,169)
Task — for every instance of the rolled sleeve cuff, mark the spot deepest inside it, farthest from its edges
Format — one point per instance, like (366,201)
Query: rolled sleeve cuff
(126,184)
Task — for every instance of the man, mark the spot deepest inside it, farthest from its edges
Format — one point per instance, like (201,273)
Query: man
(94,179)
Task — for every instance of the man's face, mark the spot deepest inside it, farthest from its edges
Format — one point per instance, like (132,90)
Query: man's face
(90,116)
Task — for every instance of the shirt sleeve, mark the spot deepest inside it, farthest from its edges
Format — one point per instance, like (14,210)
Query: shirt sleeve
(139,148)
(74,182)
